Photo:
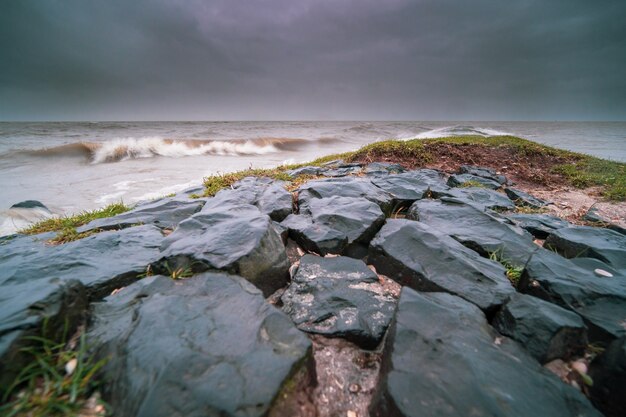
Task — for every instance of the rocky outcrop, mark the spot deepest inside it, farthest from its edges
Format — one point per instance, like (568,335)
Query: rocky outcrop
(441,358)
(590,242)
(524,199)
(425,259)
(383,168)
(608,373)
(482,198)
(339,297)
(362,188)
(411,186)
(461,180)
(545,330)
(539,225)
(209,345)
(234,238)
(483,172)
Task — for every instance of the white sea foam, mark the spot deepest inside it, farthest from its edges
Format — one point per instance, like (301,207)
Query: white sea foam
(443,132)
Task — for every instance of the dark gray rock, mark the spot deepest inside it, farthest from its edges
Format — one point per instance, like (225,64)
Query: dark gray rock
(206,346)
(441,358)
(476,229)
(594,216)
(342,171)
(25,307)
(188,192)
(340,163)
(608,372)
(483,172)
(483,198)
(423,258)
(546,330)
(101,262)
(164,213)
(308,170)
(522,198)
(339,297)
(600,301)
(335,224)
(592,242)
(237,238)
(412,185)
(459,180)
(383,168)
(29,204)
(354,187)
(539,225)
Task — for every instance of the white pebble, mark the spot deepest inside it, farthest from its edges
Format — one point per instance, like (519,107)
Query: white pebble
(602,273)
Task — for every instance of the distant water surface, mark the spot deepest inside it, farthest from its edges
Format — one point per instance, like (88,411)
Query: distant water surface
(76,166)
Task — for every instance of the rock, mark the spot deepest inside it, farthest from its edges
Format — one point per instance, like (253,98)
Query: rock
(591,242)
(188,192)
(101,262)
(608,372)
(482,198)
(545,330)
(383,168)
(339,297)
(411,186)
(29,204)
(354,187)
(209,345)
(594,216)
(601,302)
(483,172)
(238,239)
(475,229)
(340,163)
(164,213)
(25,308)
(423,258)
(307,170)
(335,224)
(342,171)
(441,358)
(524,199)
(539,225)
(459,180)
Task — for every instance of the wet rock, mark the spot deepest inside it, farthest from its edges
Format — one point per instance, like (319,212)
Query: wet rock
(342,171)
(423,258)
(307,170)
(475,229)
(383,168)
(339,297)
(545,330)
(482,198)
(354,187)
(335,224)
(412,185)
(208,345)
(441,358)
(539,225)
(594,216)
(459,180)
(592,242)
(608,372)
(237,238)
(188,192)
(601,302)
(25,308)
(524,199)
(483,172)
(101,262)
(164,213)
(30,204)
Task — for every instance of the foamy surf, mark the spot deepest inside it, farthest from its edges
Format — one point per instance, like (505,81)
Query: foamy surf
(443,132)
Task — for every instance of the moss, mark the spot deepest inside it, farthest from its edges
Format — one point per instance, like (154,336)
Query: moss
(590,171)
(65,224)
(472,183)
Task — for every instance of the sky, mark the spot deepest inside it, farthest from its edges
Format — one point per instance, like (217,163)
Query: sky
(313,60)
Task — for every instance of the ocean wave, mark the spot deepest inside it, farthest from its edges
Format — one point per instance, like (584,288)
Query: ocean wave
(457,131)
(147,147)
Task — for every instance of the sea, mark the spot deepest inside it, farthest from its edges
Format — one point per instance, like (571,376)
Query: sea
(76,166)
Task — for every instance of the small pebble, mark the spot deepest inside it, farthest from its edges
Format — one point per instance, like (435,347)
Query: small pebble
(70,366)
(354,388)
(602,273)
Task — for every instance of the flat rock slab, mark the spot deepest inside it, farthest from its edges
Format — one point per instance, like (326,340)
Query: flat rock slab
(383,168)
(483,198)
(237,238)
(423,258)
(339,297)
(441,358)
(522,198)
(539,225)
(476,229)
(335,224)
(608,372)
(101,262)
(164,213)
(600,301)
(307,170)
(460,180)
(546,330)
(354,187)
(412,185)
(206,346)
(484,172)
(590,242)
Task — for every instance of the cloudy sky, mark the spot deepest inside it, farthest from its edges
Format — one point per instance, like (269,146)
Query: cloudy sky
(313,59)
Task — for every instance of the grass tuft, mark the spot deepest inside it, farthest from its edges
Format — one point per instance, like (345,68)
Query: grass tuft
(513,272)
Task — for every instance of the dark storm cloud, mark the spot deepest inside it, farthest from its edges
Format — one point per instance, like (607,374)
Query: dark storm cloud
(313,59)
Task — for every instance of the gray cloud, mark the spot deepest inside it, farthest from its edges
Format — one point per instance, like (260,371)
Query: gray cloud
(312,59)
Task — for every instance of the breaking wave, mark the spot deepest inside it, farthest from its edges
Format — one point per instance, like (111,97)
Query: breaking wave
(147,147)
(457,131)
